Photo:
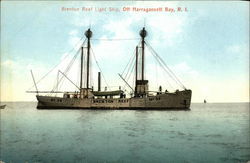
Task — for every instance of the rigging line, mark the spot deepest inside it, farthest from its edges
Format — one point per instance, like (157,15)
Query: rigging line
(131,72)
(164,70)
(171,72)
(58,63)
(62,78)
(78,72)
(132,69)
(174,75)
(125,82)
(119,39)
(55,82)
(100,69)
(129,69)
(67,69)
(69,79)
(70,65)
(57,78)
(128,61)
(72,61)
(156,73)
(91,73)
(133,81)
(166,66)
(60,82)
(156,59)
(55,85)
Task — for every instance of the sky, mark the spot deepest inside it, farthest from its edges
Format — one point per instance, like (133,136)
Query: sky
(206,45)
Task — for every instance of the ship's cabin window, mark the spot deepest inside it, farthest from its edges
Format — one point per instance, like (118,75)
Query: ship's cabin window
(123,101)
(154,98)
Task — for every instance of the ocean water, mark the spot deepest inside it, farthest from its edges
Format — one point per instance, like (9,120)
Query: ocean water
(207,133)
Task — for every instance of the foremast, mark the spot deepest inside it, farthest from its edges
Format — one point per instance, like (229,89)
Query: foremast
(86,92)
(141,85)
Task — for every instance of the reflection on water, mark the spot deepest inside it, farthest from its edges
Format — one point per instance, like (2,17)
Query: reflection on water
(209,132)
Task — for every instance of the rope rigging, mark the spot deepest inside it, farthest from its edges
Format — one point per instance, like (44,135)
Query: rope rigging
(128,62)
(117,39)
(60,81)
(130,68)
(131,72)
(171,74)
(100,69)
(58,63)
(127,72)
(78,72)
(156,59)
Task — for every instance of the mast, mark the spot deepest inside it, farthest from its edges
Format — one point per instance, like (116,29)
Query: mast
(141,85)
(34,81)
(99,81)
(88,34)
(143,34)
(136,64)
(81,68)
(136,68)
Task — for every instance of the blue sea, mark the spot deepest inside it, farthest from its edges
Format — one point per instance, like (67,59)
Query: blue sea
(209,133)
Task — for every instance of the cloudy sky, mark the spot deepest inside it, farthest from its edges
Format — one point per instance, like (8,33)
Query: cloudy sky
(206,46)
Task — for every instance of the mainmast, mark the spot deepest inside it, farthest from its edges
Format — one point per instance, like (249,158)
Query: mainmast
(141,85)
(143,34)
(88,34)
(84,92)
